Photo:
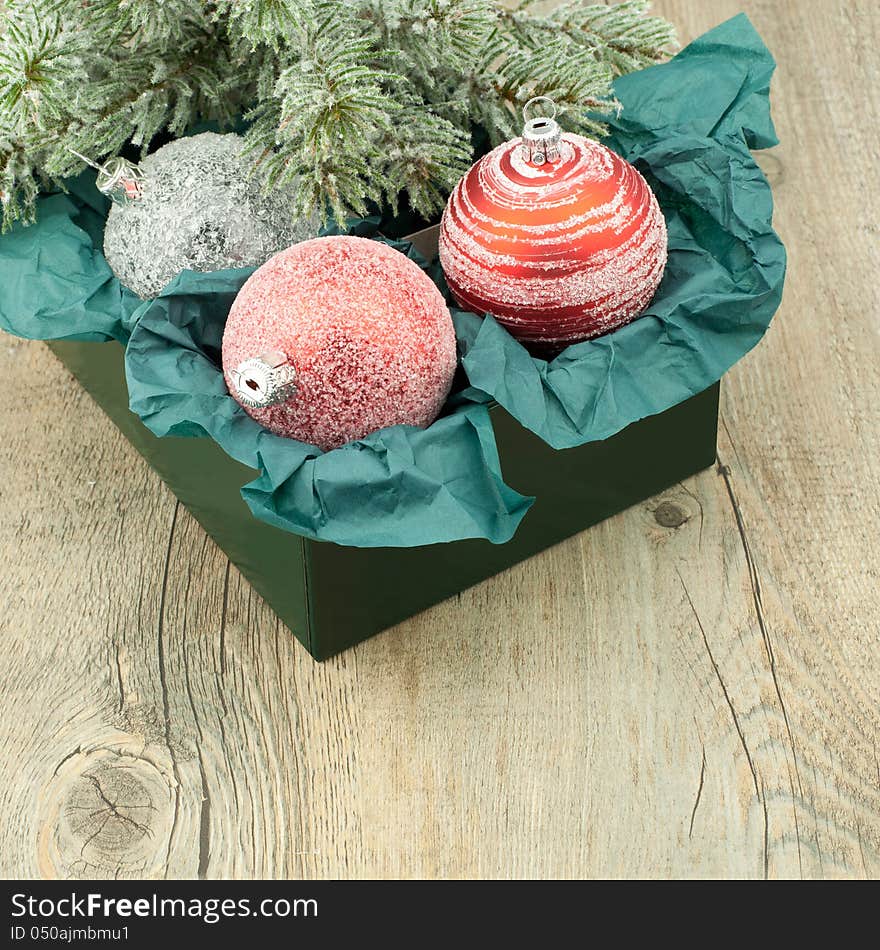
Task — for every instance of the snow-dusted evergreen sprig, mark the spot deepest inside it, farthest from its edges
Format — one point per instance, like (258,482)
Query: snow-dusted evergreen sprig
(40,68)
(352,129)
(359,100)
(275,23)
(92,76)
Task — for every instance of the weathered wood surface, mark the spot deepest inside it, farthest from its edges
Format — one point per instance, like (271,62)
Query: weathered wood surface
(688,690)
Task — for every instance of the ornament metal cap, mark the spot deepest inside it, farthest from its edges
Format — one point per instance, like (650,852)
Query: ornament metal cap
(541,135)
(120,180)
(264,381)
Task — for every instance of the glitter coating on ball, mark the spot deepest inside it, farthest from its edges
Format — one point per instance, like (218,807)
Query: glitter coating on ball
(200,209)
(366,333)
(558,252)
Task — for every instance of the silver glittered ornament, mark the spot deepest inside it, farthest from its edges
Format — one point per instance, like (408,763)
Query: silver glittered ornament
(196,206)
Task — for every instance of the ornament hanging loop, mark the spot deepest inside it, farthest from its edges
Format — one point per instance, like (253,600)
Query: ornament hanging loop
(120,180)
(541,134)
(532,103)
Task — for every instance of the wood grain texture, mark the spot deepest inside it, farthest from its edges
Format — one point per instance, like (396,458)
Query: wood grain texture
(687,690)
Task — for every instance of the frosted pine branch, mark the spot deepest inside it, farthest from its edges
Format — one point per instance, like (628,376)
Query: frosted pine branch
(361,101)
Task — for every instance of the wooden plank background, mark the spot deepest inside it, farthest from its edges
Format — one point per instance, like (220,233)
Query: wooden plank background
(688,690)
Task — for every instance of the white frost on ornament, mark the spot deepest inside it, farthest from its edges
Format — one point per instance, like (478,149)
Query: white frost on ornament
(201,210)
(367,331)
(593,268)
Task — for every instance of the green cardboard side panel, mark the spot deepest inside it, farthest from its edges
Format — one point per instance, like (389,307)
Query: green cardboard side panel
(332,597)
(354,589)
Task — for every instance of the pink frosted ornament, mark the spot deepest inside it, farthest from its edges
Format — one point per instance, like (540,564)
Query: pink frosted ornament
(337,337)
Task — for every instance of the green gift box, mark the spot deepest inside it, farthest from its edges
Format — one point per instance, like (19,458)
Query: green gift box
(332,596)
(605,425)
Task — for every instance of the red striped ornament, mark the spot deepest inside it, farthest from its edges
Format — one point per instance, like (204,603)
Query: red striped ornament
(559,246)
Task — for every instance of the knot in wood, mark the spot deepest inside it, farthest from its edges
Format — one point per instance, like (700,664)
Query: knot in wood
(108,813)
(669,515)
